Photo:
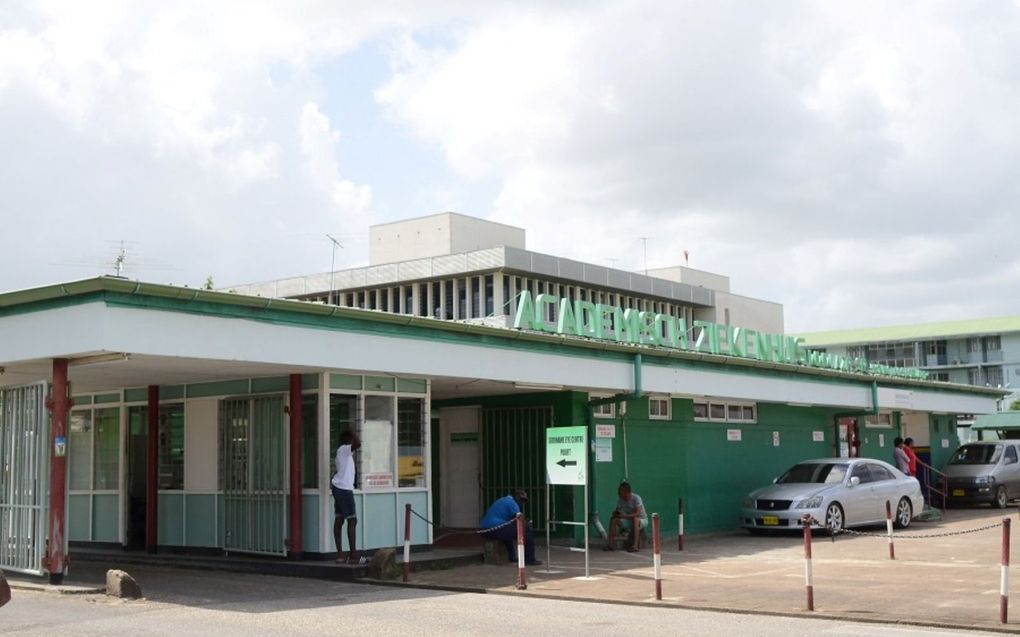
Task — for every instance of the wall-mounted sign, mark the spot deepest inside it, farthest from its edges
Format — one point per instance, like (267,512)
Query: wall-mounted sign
(945,443)
(59,446)
(818,436)
(566,455)
(733,435)
(603,450)
(775,438)
(605,431)
(881,440)
(377,480)
(613,323)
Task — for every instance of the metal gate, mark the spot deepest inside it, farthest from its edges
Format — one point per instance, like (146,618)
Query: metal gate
(513,455)
(253,459)
(24,478)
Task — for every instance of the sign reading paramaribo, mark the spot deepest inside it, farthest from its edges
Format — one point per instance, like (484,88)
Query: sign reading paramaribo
(612,323)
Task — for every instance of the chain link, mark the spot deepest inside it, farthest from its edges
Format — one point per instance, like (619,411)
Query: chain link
(479,531)
(901,536)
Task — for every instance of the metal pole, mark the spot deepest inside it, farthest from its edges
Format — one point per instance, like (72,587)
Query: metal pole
(296,514)
(548,534)
(332,265)
(888,529)
(152,472)
(656,553)
(1004,580)
(407,541)
(56,560)
(587,551)
(522,581)
(680,534)
(808,575)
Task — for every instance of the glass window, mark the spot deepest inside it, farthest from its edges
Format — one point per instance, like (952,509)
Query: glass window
(376,453)
(107,446)
(309,440)
(861,472)
(658,408)
(476,299)
(79,450)
(411,441)
(605,411)
(171,446)
(748,412)
(717,411)
(735,412)
(1010,457)
(701,411)
(489,298)
(448,305)
(879,473)
(343,415)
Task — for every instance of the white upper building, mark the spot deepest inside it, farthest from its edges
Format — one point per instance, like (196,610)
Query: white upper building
(454,267)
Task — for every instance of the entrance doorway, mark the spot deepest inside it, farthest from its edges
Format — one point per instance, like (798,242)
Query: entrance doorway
(24,478)
(253,447)
(461,466)
(848,438)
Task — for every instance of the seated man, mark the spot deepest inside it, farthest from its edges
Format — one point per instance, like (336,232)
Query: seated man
(629,508)
(503,510)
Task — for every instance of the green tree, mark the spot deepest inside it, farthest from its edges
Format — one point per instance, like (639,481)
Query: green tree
(208,283)
(1015,405)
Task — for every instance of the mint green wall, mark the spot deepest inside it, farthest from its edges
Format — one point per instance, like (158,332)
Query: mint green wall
(200,520)
(78,529)
(310,522)
(170,512)
(105,518)
(942,427)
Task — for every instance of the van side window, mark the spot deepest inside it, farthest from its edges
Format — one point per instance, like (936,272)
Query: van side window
(1010,457)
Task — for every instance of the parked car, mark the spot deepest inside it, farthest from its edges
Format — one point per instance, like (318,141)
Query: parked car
(984,472)
(836,493)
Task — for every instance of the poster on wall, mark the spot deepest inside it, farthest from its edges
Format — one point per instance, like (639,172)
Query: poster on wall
(603,450)
(605,431)
(818,436)
(733,435)
(775,438)
(945,443)
(377,454)
(881,440)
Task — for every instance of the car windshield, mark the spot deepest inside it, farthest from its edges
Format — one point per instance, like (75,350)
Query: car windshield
(819,473)
(977,454)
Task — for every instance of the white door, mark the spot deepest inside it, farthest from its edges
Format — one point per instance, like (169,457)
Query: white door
(460,467)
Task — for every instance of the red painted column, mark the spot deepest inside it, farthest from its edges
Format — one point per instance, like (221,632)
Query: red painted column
(152,472)
(59,403)
(296,526)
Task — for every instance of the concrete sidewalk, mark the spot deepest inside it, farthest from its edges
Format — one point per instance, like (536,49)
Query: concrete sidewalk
(949,580)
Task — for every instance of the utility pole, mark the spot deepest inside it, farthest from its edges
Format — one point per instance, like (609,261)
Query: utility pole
(332,265)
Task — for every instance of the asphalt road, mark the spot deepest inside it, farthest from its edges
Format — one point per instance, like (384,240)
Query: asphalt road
(207,603)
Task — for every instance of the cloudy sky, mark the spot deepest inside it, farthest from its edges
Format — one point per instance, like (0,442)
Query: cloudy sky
(856,161)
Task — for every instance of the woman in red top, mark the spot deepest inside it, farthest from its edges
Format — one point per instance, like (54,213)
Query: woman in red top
(908,446)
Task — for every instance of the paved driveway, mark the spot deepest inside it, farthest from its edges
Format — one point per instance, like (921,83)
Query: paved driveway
(946,580)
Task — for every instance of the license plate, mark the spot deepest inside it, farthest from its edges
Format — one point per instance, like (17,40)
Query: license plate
(959,492)
(770,520)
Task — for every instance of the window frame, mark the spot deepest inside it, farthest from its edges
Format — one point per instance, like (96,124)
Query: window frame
(660,416)
(727,406)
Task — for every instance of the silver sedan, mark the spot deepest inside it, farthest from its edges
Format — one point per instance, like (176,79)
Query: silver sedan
(836,493)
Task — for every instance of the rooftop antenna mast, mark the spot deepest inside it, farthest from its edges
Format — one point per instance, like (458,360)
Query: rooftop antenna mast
(332,264)
(644,243)
(118,261)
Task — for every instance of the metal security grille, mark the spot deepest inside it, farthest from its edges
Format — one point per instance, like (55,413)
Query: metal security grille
(24,478)
(513,455)
(253,461)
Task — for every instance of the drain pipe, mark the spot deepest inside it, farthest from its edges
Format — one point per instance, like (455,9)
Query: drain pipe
(592,404)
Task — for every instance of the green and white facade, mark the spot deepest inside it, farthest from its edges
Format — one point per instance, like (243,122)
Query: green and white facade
(452,414)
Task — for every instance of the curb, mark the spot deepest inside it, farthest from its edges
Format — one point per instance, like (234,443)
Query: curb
(56,590)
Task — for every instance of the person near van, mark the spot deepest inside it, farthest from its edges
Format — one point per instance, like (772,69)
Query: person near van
(901,457)
(629,509)
(342,486)
(497,525)
(908,447)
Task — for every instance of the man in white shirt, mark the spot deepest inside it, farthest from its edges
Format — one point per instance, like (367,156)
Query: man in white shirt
(342,486)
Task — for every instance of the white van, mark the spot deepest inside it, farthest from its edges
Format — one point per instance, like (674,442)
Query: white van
(984,472)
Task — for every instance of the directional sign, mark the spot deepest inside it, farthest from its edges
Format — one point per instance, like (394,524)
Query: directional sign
(566,455)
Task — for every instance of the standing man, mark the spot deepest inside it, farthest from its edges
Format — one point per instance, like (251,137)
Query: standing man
(342,487)
(498,527)
(629,508)
(908,447)
(901,457)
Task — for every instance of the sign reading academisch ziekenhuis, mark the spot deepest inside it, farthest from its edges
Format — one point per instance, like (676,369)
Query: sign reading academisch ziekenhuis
(612,323)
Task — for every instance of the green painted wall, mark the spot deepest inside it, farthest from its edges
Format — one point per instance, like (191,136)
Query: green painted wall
(105,518)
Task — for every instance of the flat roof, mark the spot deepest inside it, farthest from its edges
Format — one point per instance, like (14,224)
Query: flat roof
(914,332)
(1002,421)
(218,303)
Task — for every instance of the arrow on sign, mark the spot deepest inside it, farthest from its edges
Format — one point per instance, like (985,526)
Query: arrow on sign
(567,463)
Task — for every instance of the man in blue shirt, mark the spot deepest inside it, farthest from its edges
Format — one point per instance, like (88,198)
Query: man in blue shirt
(503,510)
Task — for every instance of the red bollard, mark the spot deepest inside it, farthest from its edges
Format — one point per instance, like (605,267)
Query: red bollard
(680,527)
(522,581)
(888,529)
(407,542)
(1004,580)
(808,575)
(657,555)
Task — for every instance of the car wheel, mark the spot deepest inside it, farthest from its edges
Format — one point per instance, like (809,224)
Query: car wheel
(834,519)
(1000,500)
(904,513)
